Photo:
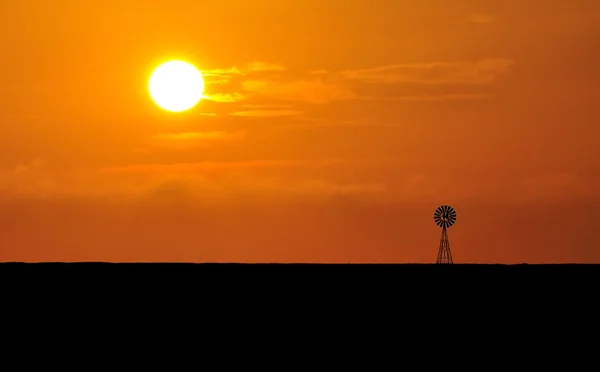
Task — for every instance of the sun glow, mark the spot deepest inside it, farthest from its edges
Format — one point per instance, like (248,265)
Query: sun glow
(176,86)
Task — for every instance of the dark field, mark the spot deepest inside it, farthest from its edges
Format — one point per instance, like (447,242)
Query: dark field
(357,284)
(277,271)
(457,267)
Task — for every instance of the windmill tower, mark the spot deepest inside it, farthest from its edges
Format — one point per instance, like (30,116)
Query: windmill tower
(444,216)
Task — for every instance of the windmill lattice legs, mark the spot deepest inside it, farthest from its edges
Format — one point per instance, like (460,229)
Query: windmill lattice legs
(444,254)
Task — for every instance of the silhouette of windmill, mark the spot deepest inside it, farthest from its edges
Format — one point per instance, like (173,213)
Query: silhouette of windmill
(444,216)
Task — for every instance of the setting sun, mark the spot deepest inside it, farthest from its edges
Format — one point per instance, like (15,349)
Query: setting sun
(176,86)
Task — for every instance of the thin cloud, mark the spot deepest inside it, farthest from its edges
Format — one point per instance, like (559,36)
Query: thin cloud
(214,181)
(311,91)
(274,106)
(224,74)
(186,140)
(264,81)
(207,183)
(215,135)
(309,123)
(224,97)
(215,81)
(21,168)
(432,97)
(219,188)
(28,179)
(208,166)
(434,73)
(266,113)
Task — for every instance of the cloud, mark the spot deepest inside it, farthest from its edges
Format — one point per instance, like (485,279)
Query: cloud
(266,179)
(224,97)
(220,75)
(303,123)
(187,140)
(231,71)
(186,182)
(223,75)
(22,168)
(265,81)
(471,73)
(210,188)
(433,97)
(28,179)
(222,189)
(311,91)
(481,18)
(266,113)
(197,135)
(273,106)
(216,166)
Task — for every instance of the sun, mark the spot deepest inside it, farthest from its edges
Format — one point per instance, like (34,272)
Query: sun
(176,86)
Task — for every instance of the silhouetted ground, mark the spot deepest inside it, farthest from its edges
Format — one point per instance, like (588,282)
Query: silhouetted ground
(366,272)
(393,286)
(286,267)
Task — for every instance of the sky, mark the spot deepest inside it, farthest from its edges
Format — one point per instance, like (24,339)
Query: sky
(329,131)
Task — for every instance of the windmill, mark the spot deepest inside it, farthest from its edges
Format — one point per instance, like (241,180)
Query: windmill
(444,216)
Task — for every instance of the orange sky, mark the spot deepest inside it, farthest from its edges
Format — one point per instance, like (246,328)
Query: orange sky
(330,131)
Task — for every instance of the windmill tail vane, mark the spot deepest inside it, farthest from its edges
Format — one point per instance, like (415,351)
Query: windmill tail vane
(445,217)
